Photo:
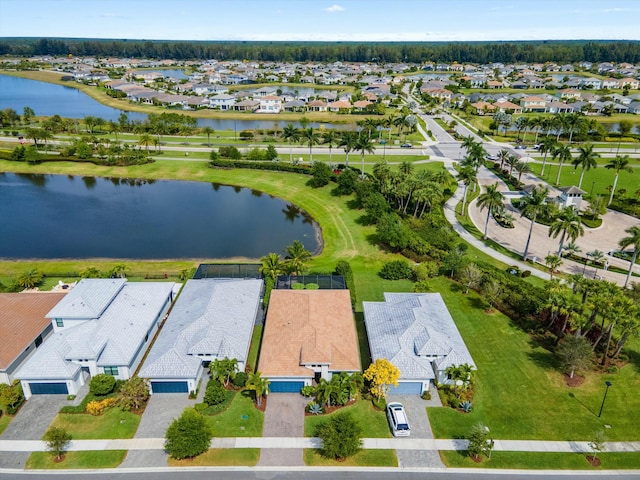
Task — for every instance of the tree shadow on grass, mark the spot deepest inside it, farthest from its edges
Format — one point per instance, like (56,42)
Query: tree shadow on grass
(544,359)
(634,359)
(477,303)
(587,407)
(455,287)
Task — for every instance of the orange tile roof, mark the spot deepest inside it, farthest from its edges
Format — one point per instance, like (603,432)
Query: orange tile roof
(310,327)
(22,319)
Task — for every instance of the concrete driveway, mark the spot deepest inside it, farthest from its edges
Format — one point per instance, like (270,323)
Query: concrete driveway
(284,417)
(416,411)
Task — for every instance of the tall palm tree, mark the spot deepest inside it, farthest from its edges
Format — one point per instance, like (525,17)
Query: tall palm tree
(512,161)
(310,137)
(632,240)
(503,155)
(563,154)
(208,131)
(587,159)
(364,144)
(291,134)
(272,266)
(145,140)
(522,123)
(574,121)
(621,162)
(115,128)
(536,123)
(468,143)
(534,204)
(493,200)
(553,262)
(259,385)
(348,141)
(467,176)
(521,167)
(330,138)
(296,257)
(567,224)
(547,145)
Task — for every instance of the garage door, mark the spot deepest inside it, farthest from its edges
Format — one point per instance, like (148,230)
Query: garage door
(406,388)
(49,388)
(285,387)
(169,387)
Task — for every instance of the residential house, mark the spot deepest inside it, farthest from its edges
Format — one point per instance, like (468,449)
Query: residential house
(569,93)
(308,335)
(533,104)
(223,101)
(559,107)
(23,327)
(247,105)
(591,83)
(212,319)
(483,108)
(495,84)
(340,106)
(317,106)
(634,107)
(100,326)
(610,83)
(361,104)
(509,107)
(633,83)
(416,333)
(270,104)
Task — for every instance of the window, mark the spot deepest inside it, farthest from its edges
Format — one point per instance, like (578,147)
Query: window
(111,370)
(59,322)
(38,341)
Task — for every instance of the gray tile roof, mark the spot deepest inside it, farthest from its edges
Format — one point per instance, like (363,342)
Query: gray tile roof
(88,299)
(211,317)
(412,330)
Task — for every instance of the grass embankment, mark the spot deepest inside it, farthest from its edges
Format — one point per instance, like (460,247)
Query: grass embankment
(220,457)
(364,458)
(521,393)
(75,460)
(373,422)
(114,423)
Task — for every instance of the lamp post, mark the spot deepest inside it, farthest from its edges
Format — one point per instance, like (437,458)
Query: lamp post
(608,384)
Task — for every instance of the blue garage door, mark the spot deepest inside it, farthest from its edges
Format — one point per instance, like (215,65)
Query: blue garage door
(285,387)
(169,387)
(407,388)
(48,388)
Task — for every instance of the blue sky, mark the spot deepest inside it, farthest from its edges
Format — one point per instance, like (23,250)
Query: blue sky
(345,20)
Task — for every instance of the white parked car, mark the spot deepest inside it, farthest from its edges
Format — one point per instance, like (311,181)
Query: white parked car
(398,420)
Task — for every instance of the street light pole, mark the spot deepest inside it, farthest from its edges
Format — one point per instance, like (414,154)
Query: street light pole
(608,384)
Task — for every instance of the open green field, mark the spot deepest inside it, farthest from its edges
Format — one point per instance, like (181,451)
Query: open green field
(241,419)
(373,422)
(74,460)
(220,457)
(521,393)
(364,458)
(114,423)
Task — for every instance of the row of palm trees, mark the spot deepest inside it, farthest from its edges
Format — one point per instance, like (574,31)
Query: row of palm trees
(341,389)
(295,261)
(561,124)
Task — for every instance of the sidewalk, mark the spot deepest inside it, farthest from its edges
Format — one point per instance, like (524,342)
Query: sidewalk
(308,442)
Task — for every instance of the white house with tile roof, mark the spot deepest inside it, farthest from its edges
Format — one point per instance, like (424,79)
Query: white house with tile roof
(417,334)
(101,326)
(212,319)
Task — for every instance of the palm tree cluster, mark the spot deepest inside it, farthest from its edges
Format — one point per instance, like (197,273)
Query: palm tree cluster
(295,261)
(562,124)
(340,390)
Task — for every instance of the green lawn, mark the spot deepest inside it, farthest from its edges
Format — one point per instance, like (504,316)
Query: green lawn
(254,349)
(114,423)
(373,422)
(364,458)
(520,392)
(221,457)
(5,420)
(241,419)
(543,461)
(73,460)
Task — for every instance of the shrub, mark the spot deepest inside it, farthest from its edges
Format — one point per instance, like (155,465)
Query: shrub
(240,380)
(229,152)
(466,406)
(426,395)
(188,436)
(379,403)
(12,397)
(256,154)
(297,286)
(341,436)
(307,390)
(526,273)
(200,407)
(315,408)
(425,271)
(246,135)
(215,393)
(133,394)
(102,384)
(344,268)
(97,407)
(396,270)
(312,286)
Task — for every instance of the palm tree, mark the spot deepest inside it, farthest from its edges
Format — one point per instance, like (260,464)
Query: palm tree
(571,249)
(115,128)
(310,137)
(467,176)
(547,145)
(503,155)
(259,385)
(468,143)
(573,122)
(296,257)
(291,134)
(632,240)
(587,158)
(272,266)
(330,138)
(512,161)
(208,131)
(553,262)
(348,141)
(567,224)
(493,200)
(534,204)
(521,167)
(145,140)
(562,153)
(364,144)
(621,162)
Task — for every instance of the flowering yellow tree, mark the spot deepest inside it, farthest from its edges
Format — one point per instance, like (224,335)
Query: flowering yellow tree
(382,374)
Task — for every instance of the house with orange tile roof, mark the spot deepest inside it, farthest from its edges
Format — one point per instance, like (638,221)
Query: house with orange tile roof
(533,104)
(483,107)
(308,335)
(508,107)
(23,327)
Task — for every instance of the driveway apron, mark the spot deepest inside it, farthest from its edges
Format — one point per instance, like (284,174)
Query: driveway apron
(284,417)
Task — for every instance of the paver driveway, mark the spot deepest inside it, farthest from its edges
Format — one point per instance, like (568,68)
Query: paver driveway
(284,417)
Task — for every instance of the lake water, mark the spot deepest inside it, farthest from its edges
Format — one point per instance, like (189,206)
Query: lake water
(47,99)
(57,216)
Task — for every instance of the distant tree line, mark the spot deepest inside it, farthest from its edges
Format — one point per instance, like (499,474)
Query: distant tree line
(383,52)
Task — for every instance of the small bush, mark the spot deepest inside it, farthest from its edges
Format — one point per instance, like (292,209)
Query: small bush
(466,406)
(215,393)
(307,391)
(315,408)
(102,384)
(297,286)
(312,286)
(426,395)
(240,380)
(200,407)
(97,408)
(246,135)
(396,270)
(526,273)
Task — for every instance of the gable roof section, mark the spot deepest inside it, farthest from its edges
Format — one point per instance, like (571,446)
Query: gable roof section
(88,299)
(211,317)
(308,327)
(412,330)
(22,319)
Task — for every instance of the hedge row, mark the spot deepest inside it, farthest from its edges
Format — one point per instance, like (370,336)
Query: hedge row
(275,166)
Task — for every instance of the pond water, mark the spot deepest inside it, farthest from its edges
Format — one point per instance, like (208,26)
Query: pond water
(57,216)
(47,99)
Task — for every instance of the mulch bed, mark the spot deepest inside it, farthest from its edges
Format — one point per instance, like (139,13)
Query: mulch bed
(595,462)
(62,457)
(576,381)
(263,405)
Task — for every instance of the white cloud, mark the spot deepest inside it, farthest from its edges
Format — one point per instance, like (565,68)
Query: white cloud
(334,8)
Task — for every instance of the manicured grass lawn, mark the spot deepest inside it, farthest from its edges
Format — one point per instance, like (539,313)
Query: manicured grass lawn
(520,392)
(543,461)
(364,458)
(114,423)
(373,422)
(86,459)
(5,420)
(231,423)
(221,457)
(254,349)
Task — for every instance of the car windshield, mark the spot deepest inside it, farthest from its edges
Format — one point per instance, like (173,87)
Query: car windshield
(403,426)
